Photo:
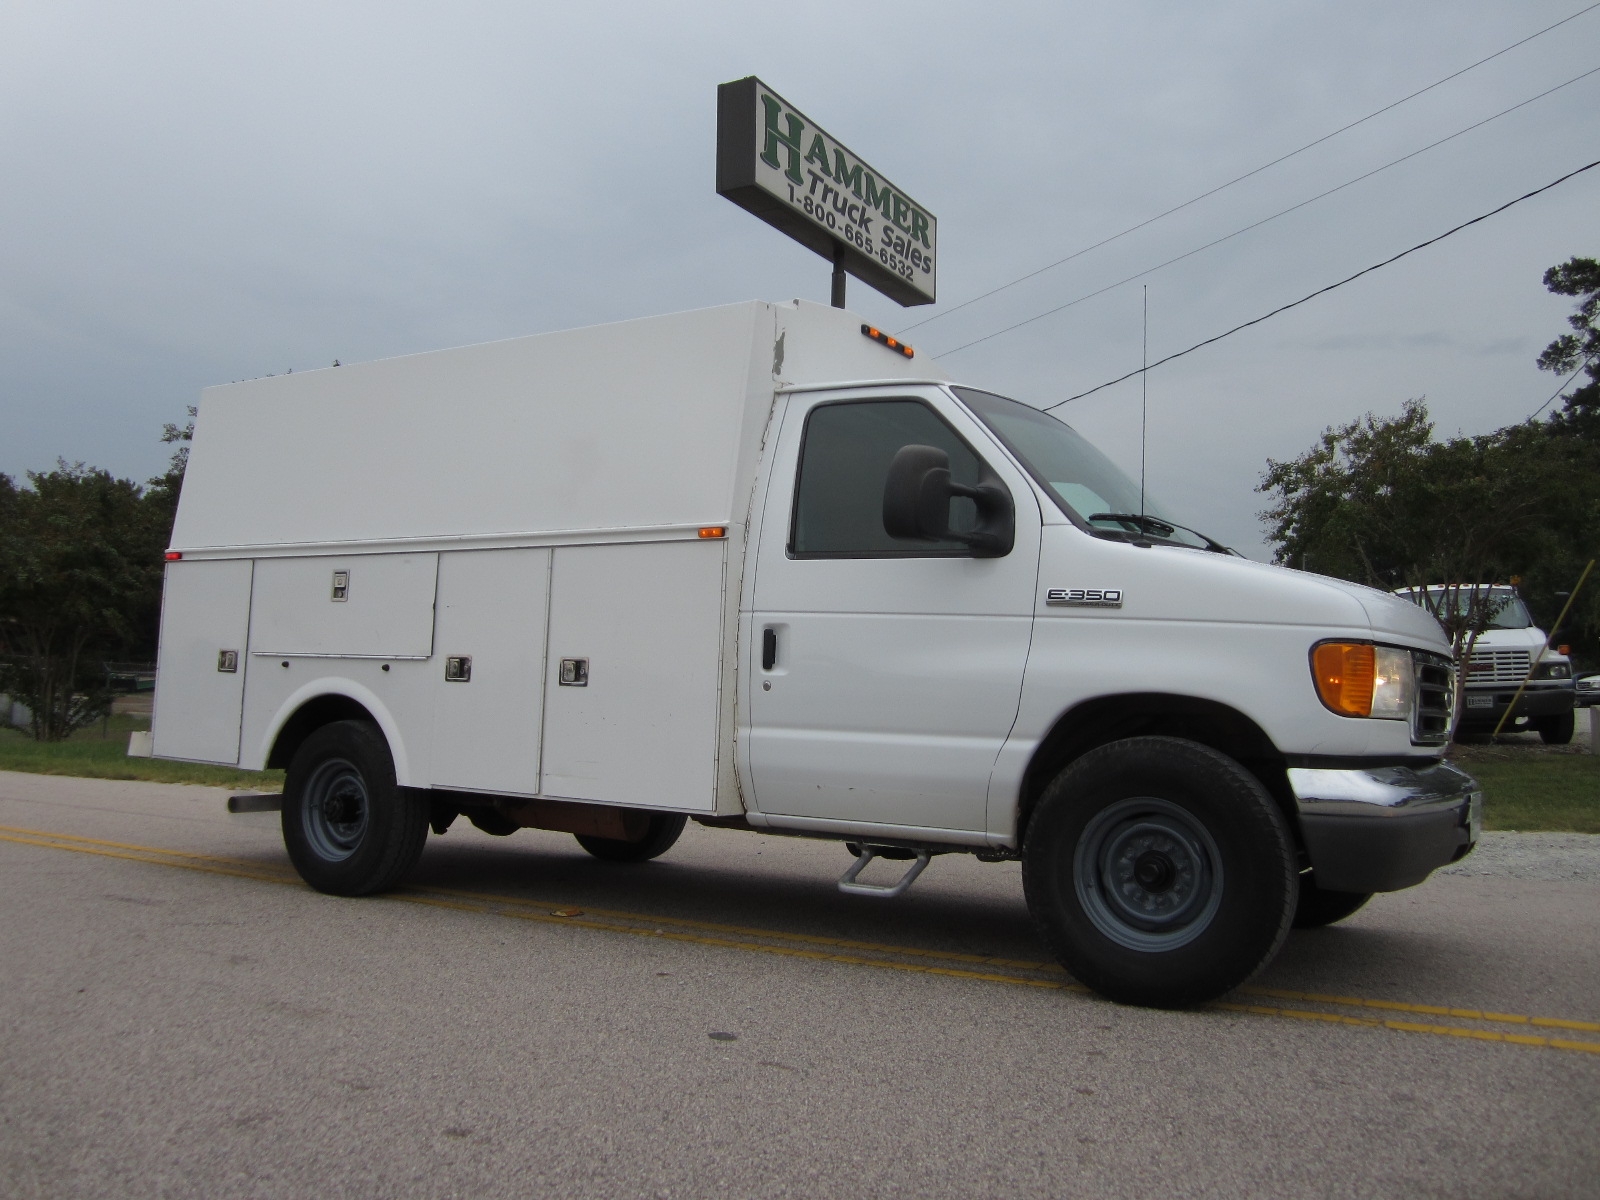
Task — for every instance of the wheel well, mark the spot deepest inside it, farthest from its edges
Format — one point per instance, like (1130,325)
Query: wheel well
(1112,718)
(309,718)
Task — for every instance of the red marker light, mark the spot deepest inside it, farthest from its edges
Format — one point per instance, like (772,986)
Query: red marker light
(173,555)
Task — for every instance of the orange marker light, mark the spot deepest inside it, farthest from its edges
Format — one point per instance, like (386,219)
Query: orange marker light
(894,344)
(714,531)
(174,555)
(1345,672)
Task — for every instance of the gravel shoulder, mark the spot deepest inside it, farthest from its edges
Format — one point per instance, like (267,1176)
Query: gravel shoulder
(1548,856)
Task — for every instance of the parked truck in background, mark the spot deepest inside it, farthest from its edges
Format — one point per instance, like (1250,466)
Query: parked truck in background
(758,567)
(1510,666)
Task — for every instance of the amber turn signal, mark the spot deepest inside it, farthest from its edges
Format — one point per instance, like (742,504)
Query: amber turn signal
(1344,672)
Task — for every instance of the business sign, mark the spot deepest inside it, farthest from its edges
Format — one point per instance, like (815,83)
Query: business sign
(775,162)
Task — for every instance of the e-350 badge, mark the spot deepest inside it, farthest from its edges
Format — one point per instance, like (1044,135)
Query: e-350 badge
(1084,597)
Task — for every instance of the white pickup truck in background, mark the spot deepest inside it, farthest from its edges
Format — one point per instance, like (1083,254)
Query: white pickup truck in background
(757,566)
(1511,666)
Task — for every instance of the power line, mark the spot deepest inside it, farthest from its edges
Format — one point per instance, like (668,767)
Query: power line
(1241,178)
(1329,288)
(1559,390)
(1049,312)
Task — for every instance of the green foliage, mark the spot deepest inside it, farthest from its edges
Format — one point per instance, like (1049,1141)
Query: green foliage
(1382,502)
(80,582)
(1578,350)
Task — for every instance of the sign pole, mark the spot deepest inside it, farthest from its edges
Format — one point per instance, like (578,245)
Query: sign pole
(838,277)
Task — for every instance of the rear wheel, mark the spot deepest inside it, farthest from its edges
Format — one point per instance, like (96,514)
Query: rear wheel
(1159,872)
(1319,907)
(663,832)
(349,828)
(1556,730)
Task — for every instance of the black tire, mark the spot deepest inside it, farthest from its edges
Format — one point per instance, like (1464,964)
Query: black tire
(663,833)
(1318,907)
(1556,730)
(1159,872)
(349,829)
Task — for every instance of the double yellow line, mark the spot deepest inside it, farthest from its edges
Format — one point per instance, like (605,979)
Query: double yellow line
(1473,1024)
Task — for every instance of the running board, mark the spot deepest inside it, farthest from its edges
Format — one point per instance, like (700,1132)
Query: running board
(847,881)
(251,802)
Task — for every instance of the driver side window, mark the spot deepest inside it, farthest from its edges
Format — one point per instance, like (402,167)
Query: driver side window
(845,453)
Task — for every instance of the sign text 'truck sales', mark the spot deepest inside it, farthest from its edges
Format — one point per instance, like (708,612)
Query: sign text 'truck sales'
(775,162)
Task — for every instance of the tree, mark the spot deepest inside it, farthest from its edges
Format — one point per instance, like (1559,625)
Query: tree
(166,488)
(80,581)
(1578,350)
(1380,502)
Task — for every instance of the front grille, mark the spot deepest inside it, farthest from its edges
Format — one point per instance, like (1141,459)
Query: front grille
(1498,666)
(1436,693)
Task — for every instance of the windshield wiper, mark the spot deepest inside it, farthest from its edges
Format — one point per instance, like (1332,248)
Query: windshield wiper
(1159,528)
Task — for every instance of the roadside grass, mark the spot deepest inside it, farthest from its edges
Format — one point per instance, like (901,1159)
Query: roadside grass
(1541,793)
(101,752)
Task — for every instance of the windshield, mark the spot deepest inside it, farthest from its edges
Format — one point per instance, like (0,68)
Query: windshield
(1508,610)
(1086,484)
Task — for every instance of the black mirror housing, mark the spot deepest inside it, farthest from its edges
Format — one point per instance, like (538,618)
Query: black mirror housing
(916,503)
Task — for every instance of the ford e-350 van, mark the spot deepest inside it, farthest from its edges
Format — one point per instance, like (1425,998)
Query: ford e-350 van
(757,567)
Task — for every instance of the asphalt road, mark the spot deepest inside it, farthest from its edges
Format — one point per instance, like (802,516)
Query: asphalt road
(179,1017)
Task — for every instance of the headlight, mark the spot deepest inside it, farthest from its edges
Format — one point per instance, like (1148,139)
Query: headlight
(1356,679)
(1555,671)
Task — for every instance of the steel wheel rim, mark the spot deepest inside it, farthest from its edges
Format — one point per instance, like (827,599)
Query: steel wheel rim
(335,810)
(1148,874)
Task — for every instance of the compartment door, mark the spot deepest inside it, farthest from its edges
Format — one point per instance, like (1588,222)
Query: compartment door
(205,614)
(645,621)
(491,608)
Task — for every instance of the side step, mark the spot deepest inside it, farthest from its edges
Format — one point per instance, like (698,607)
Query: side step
(864,855)
(250,802)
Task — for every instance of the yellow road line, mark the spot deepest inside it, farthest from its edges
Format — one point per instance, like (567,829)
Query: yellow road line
(510,906)
(72,837)
(758,947)
(151,858)
(1432,1010)
(1481,1035)
(808,938)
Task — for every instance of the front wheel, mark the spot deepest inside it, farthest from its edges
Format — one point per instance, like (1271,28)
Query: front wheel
(1556,730)
(349,828)
(1319,907)
(1159,872)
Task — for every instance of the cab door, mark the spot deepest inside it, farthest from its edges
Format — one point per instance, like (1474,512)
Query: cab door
(884,674)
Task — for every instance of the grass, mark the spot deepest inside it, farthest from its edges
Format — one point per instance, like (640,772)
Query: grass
(1554,793)
(1525,787)
(101,752)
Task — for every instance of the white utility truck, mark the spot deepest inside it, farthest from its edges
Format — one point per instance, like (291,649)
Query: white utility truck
(759,567)
(1511,662)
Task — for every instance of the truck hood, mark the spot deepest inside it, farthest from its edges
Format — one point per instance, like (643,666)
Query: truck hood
(1161,582)
(1391,616)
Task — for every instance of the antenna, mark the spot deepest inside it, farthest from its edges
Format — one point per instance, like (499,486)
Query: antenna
(1144,394)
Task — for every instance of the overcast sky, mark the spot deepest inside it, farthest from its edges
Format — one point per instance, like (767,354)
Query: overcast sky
(198,192)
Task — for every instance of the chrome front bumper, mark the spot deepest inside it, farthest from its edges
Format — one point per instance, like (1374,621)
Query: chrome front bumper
(1379,829)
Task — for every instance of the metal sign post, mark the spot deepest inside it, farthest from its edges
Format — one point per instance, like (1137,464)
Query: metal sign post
(775,162)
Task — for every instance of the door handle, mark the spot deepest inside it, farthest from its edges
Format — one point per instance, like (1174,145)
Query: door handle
(769,649)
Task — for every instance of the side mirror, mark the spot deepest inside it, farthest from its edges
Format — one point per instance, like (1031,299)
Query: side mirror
(916,503)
